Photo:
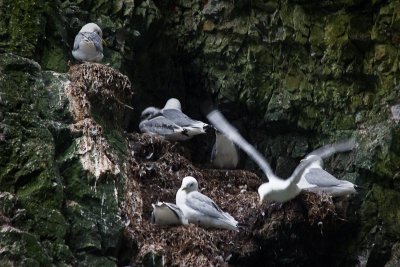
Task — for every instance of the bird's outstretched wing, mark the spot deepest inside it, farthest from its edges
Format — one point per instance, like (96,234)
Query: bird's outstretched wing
(222,125)
(330,149)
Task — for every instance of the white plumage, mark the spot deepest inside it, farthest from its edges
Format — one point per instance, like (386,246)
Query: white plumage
(200,209)
(88,44)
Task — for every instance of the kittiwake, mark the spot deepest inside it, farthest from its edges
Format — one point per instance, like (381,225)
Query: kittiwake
(224,154)
(170,122)
(316,179)
(200,209)
(165,213)
(277,189)
(163,127)
(149,112)
(88,44)
(173,111)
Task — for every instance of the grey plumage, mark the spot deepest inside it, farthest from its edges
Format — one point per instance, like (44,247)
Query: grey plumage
(173,111)
(165,213)
(88,44)
(149,112)
(164,127)
(316,179)
(170,122)
(277,189)
(224,154)
(200,209)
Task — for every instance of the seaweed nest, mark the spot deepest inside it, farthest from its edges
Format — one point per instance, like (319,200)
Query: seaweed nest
(96,89)
(155,170)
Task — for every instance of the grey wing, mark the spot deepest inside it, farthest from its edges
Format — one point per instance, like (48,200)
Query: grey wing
(204,205)
(175,209)
(321,178)
(178,117)
(77,41)
(90,37)
(330,149)
(96,39)
(301,168)
(159,125)
(222,125)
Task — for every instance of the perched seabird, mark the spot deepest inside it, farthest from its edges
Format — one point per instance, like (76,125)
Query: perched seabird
(316,179)
(149,112)
(200,209)
(224,154)
(170,122)
(165,213)
(277,189)
(88,44)
(173,111)
(163,127)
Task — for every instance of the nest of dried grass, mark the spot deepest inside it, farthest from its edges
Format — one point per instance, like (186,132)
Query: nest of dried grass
(156,168)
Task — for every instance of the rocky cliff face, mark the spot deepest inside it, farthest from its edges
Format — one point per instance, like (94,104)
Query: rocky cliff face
(76,181)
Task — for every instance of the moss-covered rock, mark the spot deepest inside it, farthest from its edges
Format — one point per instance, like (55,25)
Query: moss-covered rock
(65,209)
(292,75)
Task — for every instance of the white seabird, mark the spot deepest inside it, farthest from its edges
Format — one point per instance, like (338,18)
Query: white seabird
(224,154)
(173,112)
(88,44)
(163,127)
(277,189)
(170,122)
(165,213)
(200,209)
(149,112)
(316,179)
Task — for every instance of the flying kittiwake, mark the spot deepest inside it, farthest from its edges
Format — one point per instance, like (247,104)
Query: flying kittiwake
(277,189)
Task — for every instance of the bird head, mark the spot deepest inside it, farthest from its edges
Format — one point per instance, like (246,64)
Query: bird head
(149,112)
(92,27)
(264,191)
(189,184)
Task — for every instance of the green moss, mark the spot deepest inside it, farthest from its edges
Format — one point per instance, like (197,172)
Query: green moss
(54,58)
(24,248)
(52,224)
(383,205)
(23,23)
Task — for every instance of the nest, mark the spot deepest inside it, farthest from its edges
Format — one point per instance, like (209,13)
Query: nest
(156,169)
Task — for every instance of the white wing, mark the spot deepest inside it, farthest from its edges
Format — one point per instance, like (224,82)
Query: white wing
(222,125)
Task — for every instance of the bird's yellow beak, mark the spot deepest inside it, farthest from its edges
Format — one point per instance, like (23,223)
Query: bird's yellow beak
(183,188)
(104,42)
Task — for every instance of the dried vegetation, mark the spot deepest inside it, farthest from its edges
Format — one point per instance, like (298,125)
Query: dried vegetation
(156,168)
